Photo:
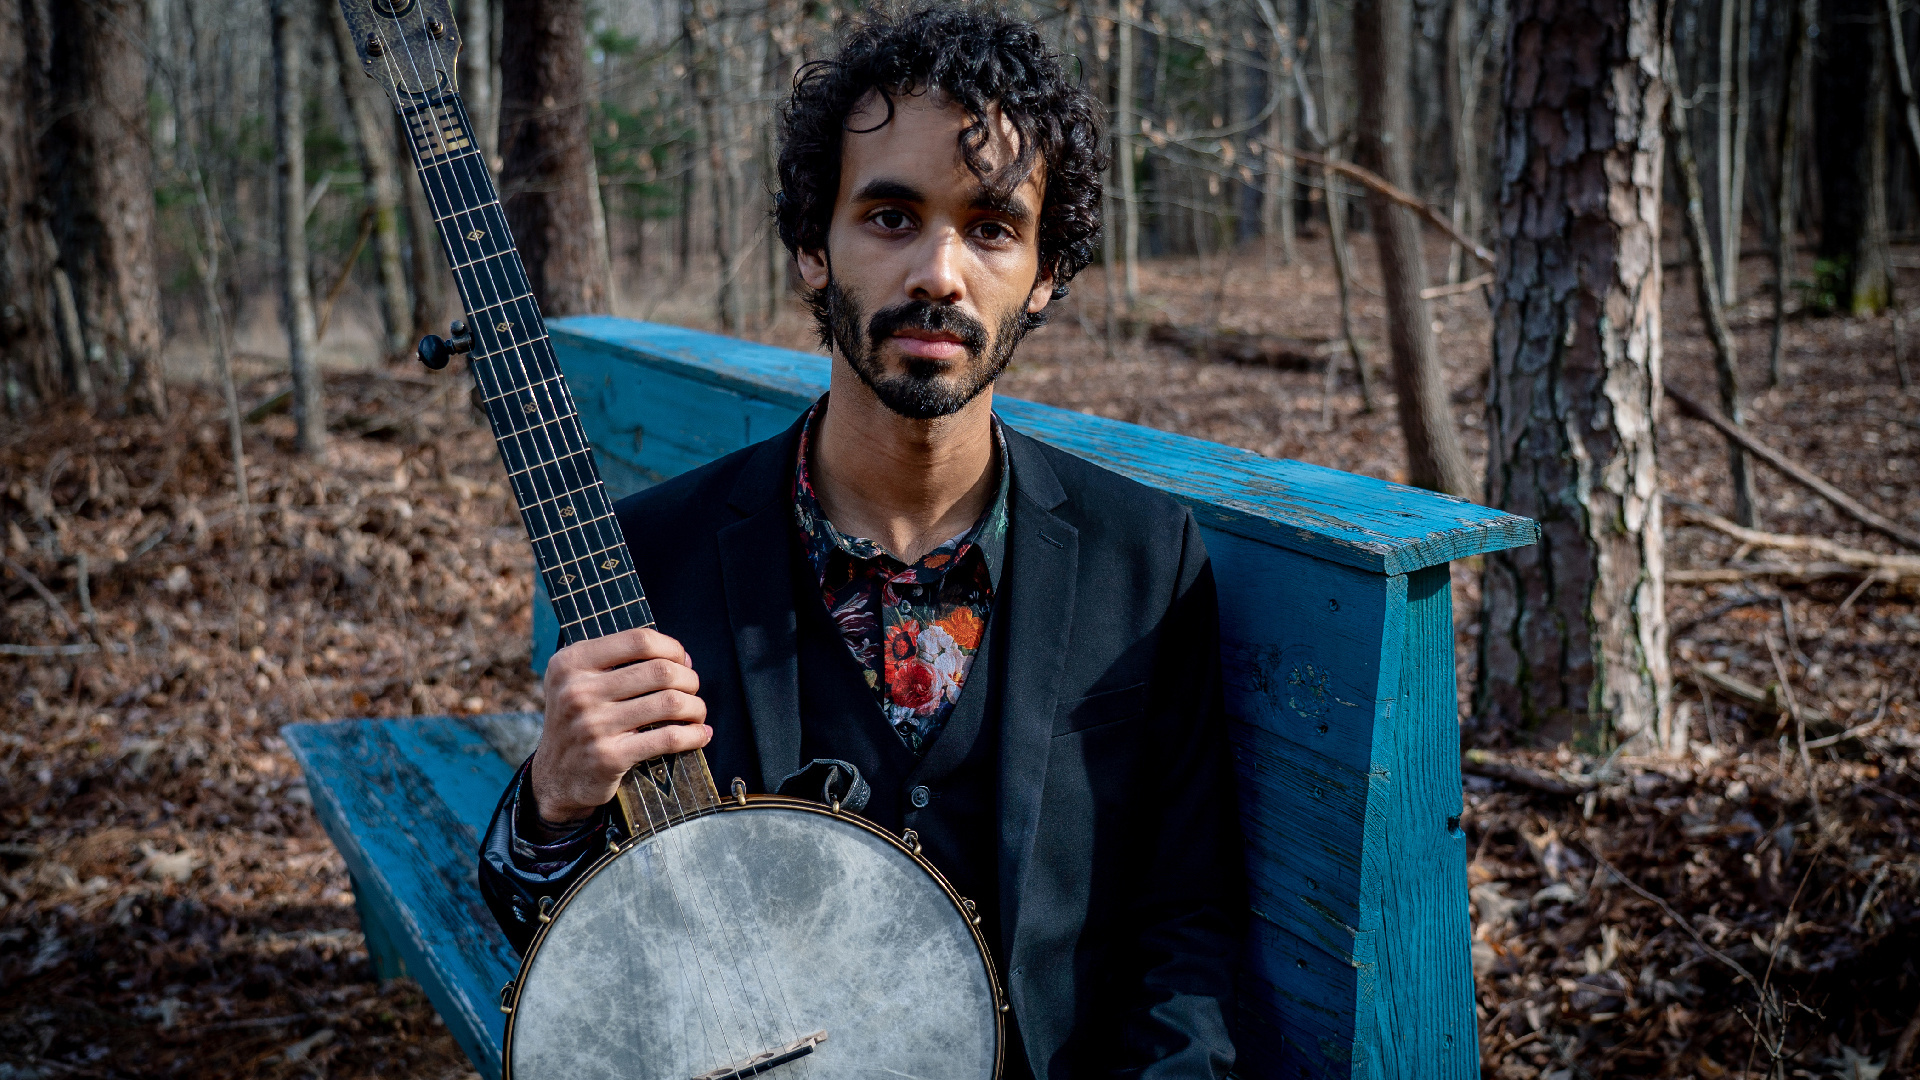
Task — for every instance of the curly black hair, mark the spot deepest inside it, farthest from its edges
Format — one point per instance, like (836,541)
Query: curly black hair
(977,58)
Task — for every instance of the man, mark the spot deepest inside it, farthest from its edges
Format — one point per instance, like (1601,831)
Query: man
(1014,648)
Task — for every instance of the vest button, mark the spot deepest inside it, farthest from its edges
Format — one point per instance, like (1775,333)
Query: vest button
(920,797)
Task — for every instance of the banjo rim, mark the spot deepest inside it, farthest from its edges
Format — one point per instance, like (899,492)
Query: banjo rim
(510,993)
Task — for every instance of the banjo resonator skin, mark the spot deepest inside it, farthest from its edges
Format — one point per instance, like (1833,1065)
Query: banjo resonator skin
(765,937)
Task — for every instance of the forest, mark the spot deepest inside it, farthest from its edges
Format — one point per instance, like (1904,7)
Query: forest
(1642,270)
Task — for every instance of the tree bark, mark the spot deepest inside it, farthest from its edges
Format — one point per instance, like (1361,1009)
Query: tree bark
(290,190)
(372,129)
(99,174)
(1382,30)
(544,150)
(1573,630)
(29,349)
(1850,100)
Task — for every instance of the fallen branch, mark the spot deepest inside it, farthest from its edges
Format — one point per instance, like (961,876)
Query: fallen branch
(1794,471)
(1371,179)
(1480,763)
(1435,292)
(83,648)
(1853,732)
(1800,572)
(1896,565)
(1745,693)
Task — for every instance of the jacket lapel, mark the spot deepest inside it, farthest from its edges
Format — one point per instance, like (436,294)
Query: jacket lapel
(1043,554)
(756,569)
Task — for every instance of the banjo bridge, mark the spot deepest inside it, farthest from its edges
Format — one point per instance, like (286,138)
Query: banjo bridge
(760,1063)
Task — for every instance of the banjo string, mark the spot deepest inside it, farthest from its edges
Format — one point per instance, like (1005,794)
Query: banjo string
(433,117)
(754,955)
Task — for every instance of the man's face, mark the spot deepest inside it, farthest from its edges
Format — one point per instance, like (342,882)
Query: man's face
(927,270)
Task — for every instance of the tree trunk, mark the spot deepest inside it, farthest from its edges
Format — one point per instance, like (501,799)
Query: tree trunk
(1797,65)
(426,266)
(29,350)
(1337,214)
(476,73)
(544,150)
(1573,629)
(1706,277)
(1850,144)
(99,173)
(1382,30)
(372,128)
(290,192)
(1126,126)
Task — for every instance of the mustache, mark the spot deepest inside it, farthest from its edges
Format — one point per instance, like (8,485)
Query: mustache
(930,317)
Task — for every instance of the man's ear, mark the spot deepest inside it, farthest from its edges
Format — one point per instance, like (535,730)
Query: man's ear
(814,268)
(1042,292)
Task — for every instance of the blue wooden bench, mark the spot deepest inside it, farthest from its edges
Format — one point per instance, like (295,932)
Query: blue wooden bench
(1337,628)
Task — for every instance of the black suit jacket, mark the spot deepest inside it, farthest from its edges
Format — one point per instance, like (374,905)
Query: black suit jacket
(1118,849)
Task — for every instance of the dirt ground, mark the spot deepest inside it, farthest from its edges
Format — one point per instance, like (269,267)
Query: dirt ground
(168,903)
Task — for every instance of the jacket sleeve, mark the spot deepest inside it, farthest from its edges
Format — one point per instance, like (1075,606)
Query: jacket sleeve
(516,874)
(1191,902)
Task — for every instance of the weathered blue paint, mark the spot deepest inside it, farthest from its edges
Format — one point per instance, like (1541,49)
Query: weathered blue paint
(1337,647)
(405,801)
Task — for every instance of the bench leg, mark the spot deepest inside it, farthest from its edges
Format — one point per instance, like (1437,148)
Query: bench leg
(386,960)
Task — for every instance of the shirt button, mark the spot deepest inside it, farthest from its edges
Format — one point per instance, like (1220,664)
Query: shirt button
(920,796)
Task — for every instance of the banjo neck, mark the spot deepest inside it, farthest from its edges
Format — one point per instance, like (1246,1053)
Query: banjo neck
(579,550)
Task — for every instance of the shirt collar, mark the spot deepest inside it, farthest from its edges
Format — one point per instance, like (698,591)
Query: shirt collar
(988,534)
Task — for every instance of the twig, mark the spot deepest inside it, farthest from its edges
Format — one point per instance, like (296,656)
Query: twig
(1800,732)
(1794,471)
(1480,763)
(1903,1046)
(1717,610)
(346,270)
(1857,731)
(46,594)
(1435,292)
(1371,179)
(1667,909)
(87,615)
(1800,572)
(83,648)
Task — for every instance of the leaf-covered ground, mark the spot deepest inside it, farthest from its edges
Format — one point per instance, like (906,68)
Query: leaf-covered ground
(169,905)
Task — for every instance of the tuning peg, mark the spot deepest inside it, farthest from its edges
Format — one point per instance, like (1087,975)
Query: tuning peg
(436,352)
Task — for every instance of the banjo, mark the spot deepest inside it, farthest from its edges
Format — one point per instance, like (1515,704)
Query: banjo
(727,936)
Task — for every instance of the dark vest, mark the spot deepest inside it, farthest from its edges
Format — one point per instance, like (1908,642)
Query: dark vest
(948,796)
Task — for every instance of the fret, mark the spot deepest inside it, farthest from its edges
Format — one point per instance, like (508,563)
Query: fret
(458,184)
(614,576)
(514,369)
(501,274)
(528,414)
(505,324)
(553,517)
(526,456)
(515,390)
(631,603)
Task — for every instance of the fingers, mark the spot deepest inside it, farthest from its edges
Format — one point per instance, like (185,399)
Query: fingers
(615,650)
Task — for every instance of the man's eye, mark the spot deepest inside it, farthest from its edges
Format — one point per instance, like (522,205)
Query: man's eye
(995,231)
(890,220)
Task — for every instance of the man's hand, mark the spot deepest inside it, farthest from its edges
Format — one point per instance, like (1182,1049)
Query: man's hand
(612,703)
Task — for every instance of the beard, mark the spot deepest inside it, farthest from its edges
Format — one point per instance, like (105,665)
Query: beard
(922,391)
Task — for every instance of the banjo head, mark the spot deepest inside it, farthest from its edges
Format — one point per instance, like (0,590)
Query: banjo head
(773,939)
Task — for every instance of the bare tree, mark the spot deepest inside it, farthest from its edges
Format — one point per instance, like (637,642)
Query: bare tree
(373,136)
(1382,30)
(1573,629)
(1804,16)
(1851,90)
(545,150)
(28,347)
(99,173)
(477,73)
(290,191)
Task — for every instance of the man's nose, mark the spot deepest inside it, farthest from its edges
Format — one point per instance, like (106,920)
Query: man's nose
(935,273)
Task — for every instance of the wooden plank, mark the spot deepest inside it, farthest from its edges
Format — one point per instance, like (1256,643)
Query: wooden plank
(1414,865)
(1355,520)
(405,801)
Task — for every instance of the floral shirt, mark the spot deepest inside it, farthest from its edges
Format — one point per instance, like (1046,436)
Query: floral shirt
(913,629)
